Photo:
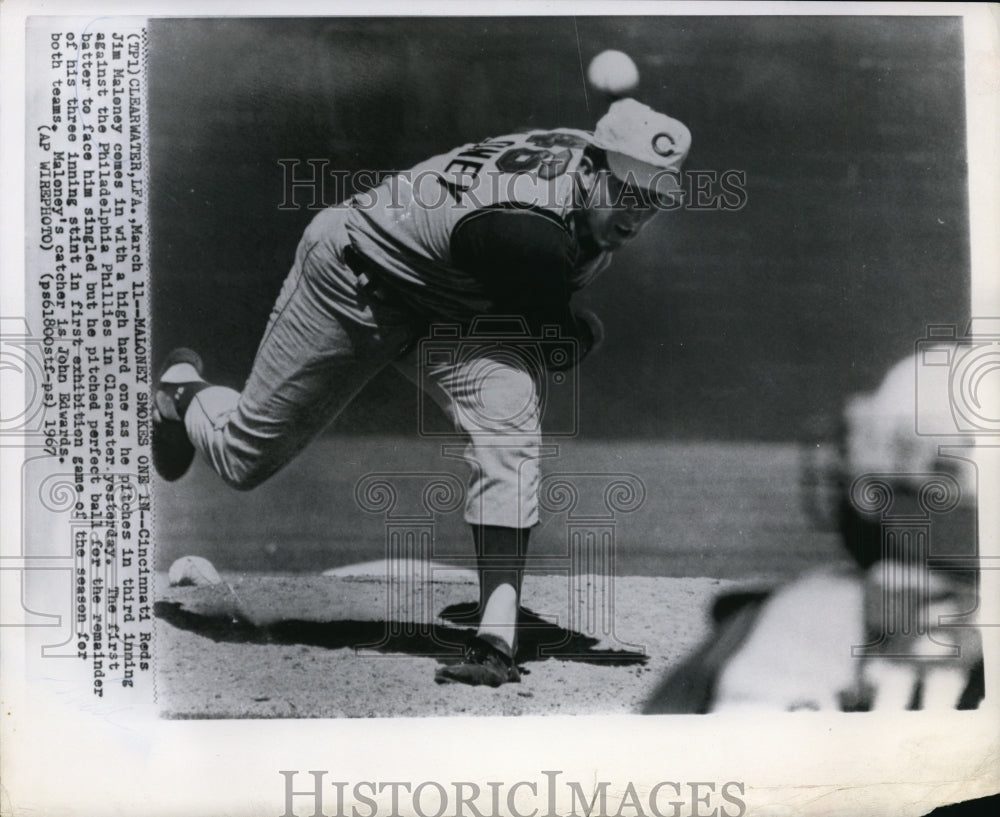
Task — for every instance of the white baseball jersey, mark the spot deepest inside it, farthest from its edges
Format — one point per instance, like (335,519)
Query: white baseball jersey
(404,227)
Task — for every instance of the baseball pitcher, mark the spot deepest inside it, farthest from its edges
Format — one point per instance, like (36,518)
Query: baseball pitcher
(509,226)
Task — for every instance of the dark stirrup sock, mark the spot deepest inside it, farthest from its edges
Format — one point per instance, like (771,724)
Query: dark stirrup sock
(181,394)
(501,554)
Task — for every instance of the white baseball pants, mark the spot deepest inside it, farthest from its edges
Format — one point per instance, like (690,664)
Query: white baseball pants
(326,338)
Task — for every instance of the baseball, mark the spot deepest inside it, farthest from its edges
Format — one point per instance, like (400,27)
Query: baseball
(192,570)
(613,72)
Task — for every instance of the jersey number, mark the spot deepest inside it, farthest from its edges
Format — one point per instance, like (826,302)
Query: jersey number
(547,164)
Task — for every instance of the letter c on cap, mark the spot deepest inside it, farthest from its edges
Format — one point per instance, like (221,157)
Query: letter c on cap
(660,147)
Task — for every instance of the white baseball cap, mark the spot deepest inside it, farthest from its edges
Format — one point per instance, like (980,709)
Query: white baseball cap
(643,147)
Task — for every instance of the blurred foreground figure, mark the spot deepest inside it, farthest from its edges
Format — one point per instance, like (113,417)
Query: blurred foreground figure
(894,632)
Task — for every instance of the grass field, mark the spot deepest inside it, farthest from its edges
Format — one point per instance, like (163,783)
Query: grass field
(721,510)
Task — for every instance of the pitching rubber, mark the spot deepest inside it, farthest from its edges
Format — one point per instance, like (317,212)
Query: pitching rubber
(191,571)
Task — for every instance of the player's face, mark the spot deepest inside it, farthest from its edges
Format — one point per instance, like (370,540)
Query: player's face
(616,212)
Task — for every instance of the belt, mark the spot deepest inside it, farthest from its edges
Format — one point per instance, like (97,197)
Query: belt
(371,281)
(362,269)
(373,284)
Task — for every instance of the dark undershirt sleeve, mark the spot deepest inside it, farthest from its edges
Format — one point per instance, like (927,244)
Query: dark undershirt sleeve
(524,259)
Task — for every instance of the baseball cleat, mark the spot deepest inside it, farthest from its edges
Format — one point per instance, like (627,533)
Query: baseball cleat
(486,661)
(172,450)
